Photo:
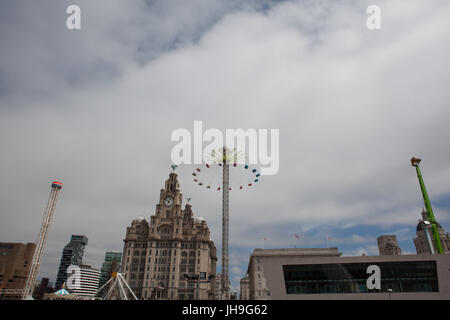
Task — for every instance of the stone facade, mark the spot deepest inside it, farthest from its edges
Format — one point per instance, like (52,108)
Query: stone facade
(218,287)
(421,242)
(172,256)
(245,288)
(388,245)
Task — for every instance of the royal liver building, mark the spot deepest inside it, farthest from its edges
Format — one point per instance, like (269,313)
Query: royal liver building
(172,256)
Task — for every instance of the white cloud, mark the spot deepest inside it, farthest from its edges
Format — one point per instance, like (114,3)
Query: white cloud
(368,251)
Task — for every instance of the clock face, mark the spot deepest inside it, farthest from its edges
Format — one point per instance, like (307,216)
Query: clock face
(168,202)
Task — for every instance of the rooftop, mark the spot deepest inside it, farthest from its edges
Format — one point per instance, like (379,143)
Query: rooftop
(297,252)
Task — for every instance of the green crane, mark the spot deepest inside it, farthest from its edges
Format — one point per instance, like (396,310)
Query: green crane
(437,240)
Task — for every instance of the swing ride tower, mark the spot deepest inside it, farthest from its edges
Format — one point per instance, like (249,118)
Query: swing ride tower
(225,221)
(227,160)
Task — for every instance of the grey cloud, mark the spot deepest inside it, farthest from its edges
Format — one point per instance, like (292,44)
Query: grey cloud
(96,110)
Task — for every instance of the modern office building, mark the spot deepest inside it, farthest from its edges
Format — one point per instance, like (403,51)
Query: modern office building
(15,263)
(388,245)
(72,255)
(421,241)
(172,256)
(324,274)
(260,288)
(112,262)
(89,280)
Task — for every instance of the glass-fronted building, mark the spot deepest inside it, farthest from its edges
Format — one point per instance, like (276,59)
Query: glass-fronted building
(323,273)
(72,255)
(399,276)
(112,262)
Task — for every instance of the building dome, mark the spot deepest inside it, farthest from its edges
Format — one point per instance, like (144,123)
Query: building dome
(199,219)
(139,219)
(420,225)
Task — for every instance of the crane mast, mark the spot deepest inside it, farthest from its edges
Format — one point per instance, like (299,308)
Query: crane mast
(430,215)
(42,239)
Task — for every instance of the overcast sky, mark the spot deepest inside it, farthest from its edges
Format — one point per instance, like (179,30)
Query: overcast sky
(95,108)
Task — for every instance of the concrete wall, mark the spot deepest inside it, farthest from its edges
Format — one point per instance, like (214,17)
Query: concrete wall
(273,268)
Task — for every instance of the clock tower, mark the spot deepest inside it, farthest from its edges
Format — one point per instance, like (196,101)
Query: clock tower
(159,253)
(167,222)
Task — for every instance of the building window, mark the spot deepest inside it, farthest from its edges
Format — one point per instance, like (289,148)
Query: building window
(405,276)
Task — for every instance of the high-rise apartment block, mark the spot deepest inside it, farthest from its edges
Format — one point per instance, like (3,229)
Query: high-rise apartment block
(172,256)
(113,262)
(72,255)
